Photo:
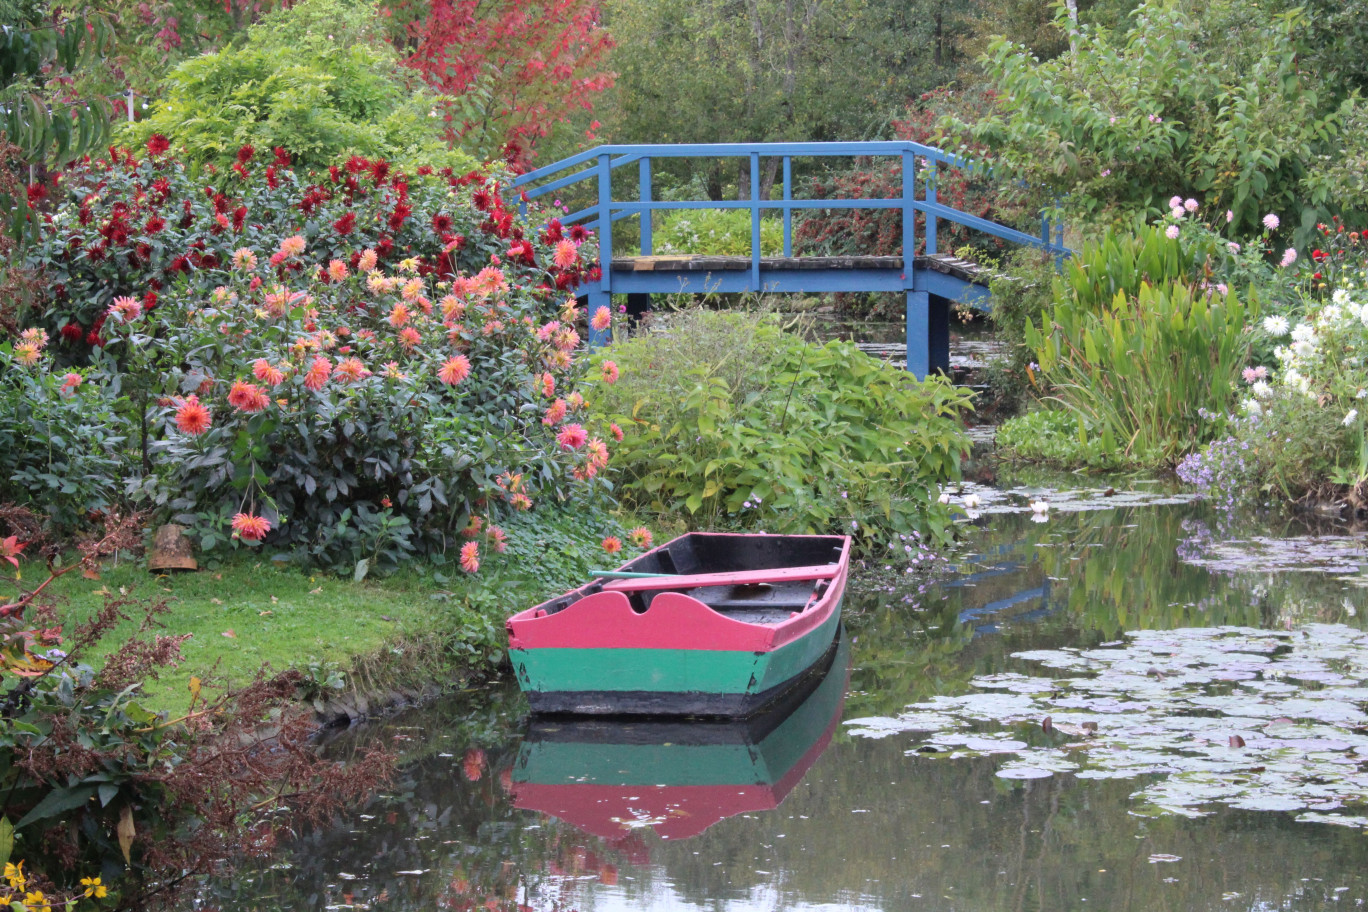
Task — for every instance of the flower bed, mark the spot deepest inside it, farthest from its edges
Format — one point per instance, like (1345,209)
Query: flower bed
(351,366)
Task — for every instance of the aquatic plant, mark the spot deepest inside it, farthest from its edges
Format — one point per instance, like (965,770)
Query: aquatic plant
(1253,719)
(1145,354)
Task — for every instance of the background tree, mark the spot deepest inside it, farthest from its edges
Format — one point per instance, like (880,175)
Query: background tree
(319,79)
(520,67)
(771,70)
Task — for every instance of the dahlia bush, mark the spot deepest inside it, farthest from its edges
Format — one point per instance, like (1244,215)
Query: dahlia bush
(352,366)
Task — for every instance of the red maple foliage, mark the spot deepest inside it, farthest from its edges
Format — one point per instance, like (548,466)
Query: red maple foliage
(530,63)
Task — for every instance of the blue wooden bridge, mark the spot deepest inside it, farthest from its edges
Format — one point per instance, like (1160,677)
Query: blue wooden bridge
(932,281)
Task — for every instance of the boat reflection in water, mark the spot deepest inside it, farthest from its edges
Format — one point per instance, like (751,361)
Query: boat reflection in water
(614,778)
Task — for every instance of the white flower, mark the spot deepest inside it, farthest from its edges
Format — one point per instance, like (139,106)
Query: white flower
(1251,407)
(1349,418)
(1275,326)
(971,501)
(1190,205)
(1261,390)
(1271,222)
(1361,393)
(1340,297)
(1330,315)
(1282,353)
(1040,507)
(1177,212)
(944,498)
(1303,349)
(1303,333)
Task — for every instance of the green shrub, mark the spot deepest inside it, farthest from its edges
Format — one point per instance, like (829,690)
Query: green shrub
(719,232)
(736,423)
(61,440)
(1201,100)
(1149,358)
(1054,437)
(317,78)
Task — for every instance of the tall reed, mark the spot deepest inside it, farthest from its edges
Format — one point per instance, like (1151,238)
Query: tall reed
(1148,355)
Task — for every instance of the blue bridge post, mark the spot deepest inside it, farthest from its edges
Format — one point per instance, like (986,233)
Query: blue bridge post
(603,295)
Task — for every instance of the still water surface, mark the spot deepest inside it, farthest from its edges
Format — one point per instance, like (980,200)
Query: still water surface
(800,811)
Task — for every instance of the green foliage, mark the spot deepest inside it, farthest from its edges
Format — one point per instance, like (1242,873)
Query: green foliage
(317,79)
(1054,437)
(721,232)
(1210,102)
(1149,358)
(550,551)
(49,129)
(706,71)
(733,422)
(60,443)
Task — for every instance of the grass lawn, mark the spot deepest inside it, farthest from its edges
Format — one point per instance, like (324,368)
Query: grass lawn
(249,612)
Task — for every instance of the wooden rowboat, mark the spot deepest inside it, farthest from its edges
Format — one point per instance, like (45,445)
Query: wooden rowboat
(707,624)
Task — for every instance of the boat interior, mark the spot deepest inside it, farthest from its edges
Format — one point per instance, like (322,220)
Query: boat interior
(752,603)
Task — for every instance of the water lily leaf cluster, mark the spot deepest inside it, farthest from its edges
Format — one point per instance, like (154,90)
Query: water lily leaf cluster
(1238,716)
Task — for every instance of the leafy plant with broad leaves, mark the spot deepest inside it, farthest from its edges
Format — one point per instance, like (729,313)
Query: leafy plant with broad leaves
(1147,356)
(734,422)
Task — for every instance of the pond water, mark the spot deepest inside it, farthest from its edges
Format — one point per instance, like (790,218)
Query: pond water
(848,800)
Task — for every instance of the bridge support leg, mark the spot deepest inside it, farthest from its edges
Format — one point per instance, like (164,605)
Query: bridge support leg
(928,334)
(594,299)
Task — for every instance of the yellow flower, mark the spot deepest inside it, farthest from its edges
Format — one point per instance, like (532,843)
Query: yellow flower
(94,887)
(15,875)
(37,902)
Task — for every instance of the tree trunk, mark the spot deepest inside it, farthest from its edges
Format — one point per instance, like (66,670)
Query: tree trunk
(1072,6)
(767,178)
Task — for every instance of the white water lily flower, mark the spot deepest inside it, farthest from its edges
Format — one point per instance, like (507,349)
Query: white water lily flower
(972,501)
(944,498)
(1275,325)
(1040,507)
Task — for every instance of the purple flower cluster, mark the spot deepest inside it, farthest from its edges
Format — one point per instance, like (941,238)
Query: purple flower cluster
(1219,471)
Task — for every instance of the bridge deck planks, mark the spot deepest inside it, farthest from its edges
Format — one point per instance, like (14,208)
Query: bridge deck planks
(943,263)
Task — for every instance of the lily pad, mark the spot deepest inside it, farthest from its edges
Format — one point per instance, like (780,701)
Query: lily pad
(1159,708)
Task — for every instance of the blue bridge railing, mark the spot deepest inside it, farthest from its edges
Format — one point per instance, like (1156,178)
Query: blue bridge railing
(920,168)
